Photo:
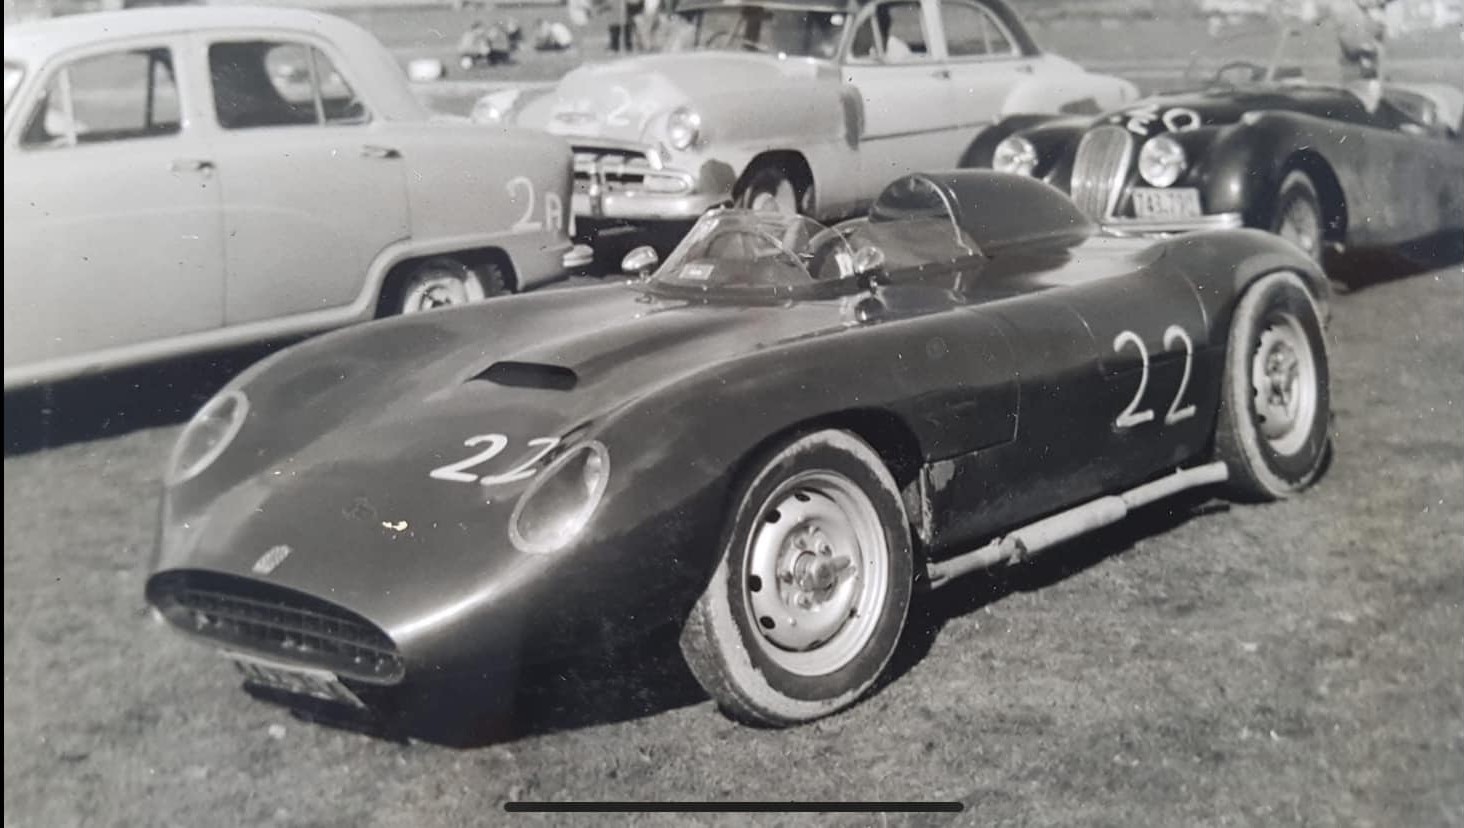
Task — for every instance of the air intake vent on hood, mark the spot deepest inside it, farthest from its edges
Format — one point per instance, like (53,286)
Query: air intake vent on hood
(531,375)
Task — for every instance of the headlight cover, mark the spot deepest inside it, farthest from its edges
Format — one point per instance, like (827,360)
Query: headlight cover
(1015,154)
(207,435)
(1162,161)
(683,127)
(561,500)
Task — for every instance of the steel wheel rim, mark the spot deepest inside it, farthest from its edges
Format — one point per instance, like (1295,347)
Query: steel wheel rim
(1301,226)
(817,573)
(1284,384)
(438,290)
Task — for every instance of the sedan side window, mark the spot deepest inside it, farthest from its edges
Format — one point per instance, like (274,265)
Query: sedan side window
(891,33)
(113,97)
(972,31)
(261,83)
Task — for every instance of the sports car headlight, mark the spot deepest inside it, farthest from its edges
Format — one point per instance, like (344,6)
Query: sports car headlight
(682,128)
(559,503)
(1162,161)
(1015,154)
(207,435)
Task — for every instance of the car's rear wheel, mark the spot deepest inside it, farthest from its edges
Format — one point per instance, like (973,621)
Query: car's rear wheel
(1275,408)
(771,189)
(445,282)
(810,597)
(1299,217)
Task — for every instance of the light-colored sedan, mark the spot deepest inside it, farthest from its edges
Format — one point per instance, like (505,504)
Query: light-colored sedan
(806,105)
(185,179)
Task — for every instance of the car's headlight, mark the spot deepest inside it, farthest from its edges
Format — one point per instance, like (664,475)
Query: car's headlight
(1015,154)
(683,127)
(559,503)
(1162,161)
(207,435)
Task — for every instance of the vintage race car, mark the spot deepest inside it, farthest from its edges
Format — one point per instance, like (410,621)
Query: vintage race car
(771,441)
(188,178)
(1311,162)
(832,99)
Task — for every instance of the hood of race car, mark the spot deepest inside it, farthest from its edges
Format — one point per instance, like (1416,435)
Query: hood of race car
(388,457)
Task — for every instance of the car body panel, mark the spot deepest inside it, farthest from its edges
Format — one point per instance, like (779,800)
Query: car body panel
(388,459)
(270,231)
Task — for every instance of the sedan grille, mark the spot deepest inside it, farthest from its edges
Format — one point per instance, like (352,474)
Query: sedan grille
(275,622)
(1100,170)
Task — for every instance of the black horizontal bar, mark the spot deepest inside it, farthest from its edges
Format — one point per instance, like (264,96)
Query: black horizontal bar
(735,807)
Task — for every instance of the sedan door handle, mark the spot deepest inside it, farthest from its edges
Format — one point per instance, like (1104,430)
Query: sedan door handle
(374,151)
(1024,68)
(943,74)
(192,165)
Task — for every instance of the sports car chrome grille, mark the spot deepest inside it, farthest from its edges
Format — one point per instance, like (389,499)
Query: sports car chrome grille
(1100,170)
(276,622)
(614,169)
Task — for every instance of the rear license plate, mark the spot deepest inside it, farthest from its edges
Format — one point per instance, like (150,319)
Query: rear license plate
(1154,203)
(301,681)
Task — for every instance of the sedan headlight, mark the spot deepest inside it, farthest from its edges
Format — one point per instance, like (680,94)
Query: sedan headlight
(683,127)
(559,503)
(207,435)
(1162,161)
(1015,154)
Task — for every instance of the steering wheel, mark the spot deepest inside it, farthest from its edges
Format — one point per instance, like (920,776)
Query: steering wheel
(1255,71)
(727,36)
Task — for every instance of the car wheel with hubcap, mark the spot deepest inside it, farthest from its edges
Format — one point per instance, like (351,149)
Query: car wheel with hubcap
(809,599)
(1299,217)
(445,282)
(1275,406)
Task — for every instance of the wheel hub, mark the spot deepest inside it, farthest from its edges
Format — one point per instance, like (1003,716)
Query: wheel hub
(1283,379)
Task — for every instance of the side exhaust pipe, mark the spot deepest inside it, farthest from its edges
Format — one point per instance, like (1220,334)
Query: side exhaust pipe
(1023,543)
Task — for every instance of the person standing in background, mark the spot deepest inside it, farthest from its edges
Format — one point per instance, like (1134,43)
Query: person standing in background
(1361,30)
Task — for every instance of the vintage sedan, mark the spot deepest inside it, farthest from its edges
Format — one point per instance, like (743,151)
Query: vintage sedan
(831,100)
(188,178)
(1254,147)
(770,442)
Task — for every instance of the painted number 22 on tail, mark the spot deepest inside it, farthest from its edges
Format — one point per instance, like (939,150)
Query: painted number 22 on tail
(1133,415)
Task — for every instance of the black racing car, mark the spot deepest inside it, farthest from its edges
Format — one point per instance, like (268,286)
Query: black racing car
(771,441)
(1321,165)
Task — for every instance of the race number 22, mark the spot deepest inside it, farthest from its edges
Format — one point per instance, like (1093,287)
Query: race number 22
(1132,415)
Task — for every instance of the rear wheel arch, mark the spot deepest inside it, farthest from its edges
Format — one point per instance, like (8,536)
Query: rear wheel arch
(491,266)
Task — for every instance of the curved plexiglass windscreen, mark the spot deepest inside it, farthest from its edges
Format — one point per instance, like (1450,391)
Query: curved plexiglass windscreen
(738,248)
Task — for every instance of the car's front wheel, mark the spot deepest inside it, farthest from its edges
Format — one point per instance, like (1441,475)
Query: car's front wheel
(809,599)
(769,188)
(445,282)
(1298,217)
(1273,429)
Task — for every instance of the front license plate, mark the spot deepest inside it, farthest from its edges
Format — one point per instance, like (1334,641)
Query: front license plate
(1154,203)
(301,681)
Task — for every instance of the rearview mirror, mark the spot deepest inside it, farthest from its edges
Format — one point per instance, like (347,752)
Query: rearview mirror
(640,261)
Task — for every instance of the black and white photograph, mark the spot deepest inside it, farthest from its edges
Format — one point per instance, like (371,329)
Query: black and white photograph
(734,412)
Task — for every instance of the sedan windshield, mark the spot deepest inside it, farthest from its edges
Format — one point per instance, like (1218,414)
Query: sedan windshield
(789,32)
(736,248)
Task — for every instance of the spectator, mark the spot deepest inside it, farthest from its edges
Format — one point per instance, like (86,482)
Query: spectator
(1361,30)
(552,37)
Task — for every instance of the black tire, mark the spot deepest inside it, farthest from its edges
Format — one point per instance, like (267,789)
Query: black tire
(1273,428)
(448,281)
(732,643)
(1298,216)
(770,187)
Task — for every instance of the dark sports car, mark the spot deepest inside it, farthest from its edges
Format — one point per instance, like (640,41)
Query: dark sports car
(772,441)
(1310,162)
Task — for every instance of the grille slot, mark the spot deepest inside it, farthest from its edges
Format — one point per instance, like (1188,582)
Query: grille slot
(276,622)
(618,169)
(1100,169)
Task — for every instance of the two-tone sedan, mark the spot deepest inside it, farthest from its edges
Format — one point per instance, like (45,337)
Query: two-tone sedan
(191,178)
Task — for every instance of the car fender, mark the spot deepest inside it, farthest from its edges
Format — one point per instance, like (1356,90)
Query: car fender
(1221,264)
(1059,87)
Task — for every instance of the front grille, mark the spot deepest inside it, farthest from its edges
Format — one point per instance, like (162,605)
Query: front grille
(1100,170)
(276,622)
(616,169)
